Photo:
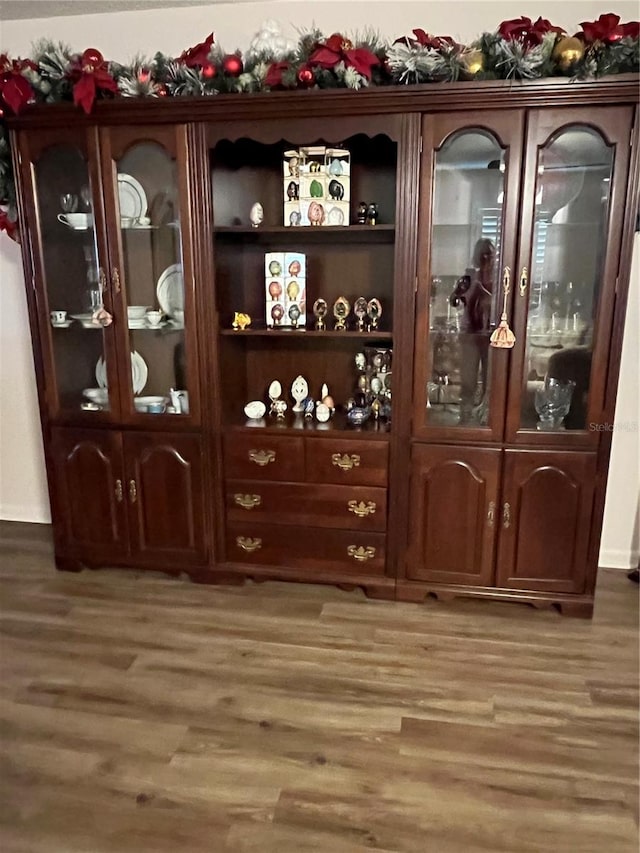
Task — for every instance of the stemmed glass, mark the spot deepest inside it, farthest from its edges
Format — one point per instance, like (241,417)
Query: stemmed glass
(552,403)
(69,203)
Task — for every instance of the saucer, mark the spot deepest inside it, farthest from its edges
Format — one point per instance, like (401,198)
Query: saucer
(64,325)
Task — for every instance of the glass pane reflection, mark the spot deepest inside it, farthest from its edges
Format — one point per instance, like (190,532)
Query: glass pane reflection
(464,294)
(572,201)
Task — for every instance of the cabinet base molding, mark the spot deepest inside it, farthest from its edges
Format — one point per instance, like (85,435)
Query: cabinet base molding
(567,605)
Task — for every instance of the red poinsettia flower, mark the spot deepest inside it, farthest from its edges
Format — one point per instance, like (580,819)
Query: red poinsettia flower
(606,29)
(273,77)
(90,75)
(337,49)
(197,56)
(631,30)
(524,30)
(15,90)
(8,225)
(423,39)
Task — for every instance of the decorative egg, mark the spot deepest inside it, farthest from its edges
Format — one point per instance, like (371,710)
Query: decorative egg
(316,213)
(323,413)
(255,410)
(315,189)
(275,290)
(335,167)
(293,289)
(277,313)
(275,390)
(294,268)
(275,268)
(256,214)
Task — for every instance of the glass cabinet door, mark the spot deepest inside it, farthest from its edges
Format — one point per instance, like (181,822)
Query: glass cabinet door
(70,278)
(565,288)
(149,269)
(467,244)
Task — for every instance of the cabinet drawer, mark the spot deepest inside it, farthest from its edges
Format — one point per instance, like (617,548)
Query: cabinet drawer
(322,551)
(263,457)
(344,507)
(362,463)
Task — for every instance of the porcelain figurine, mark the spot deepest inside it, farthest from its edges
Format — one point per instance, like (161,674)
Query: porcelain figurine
(360,310)
(256,215)
(341,308)
(279,407)
(294,167)
(323,413)
(255,410)
(241,321)
(316,213)
(299,392)
(358,415)
(336,190)
(274,392)
(293,191)
(295,218)
(320,309)
(374,310)
(309,406)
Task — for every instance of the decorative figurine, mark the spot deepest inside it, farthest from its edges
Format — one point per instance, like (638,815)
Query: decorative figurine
(299,392)
(361,361)
(240,321)
(360,310)
(277,313)
(316,213)
(256,215)
(275,290)
(309,406)
(335,167)
(295,218)
(293,191)
(336,190)
(293,289)
(294,167)
(361,216)
(341,308)
(294,315)
(255,410)
(278,406)
(314,166)
(315,189)
(372,214)
(320,309)
(295,268)
(374,310)
(323,413)
(275,268)
(358,415)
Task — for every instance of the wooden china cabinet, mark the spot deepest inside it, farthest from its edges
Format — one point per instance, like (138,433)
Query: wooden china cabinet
(489,477)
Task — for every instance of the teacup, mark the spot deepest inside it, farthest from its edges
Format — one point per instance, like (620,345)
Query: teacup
(76,220)
(58,317)
(127,221)
(153,318)
(155,408)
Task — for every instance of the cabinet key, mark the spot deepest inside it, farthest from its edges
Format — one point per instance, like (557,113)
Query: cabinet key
(262,457)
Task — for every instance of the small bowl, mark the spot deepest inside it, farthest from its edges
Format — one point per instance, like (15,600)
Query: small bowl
(137,312)
(97,395)
(151,404)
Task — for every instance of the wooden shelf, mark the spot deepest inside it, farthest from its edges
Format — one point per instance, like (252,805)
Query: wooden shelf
(304,234)
(307,333)
(337,427)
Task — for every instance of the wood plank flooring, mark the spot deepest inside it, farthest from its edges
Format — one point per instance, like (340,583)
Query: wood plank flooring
(142,713)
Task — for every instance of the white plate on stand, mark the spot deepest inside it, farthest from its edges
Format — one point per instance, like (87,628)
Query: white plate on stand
(132,197)
(170,291)
(139,372)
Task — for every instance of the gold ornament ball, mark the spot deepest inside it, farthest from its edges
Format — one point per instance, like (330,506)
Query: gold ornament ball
(568,51)
(473,61)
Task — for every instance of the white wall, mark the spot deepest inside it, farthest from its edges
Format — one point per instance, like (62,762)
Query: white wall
(120,36)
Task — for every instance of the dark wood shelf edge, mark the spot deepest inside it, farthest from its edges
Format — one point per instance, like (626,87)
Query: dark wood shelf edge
(288,230)
(307,333)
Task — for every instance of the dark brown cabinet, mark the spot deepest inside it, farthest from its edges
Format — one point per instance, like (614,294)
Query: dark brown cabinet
(488,479)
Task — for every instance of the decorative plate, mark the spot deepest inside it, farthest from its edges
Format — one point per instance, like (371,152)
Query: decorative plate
(133,201)
(139,372)
(170,291)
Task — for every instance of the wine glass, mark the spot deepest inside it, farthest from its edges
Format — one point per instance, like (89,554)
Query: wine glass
(69,203)
(552,403)
(85,195)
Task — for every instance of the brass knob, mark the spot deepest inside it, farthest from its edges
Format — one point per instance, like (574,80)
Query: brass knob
(262,457)
(248,544)
(247,501)
(361,509)
(118,491)
(491,514)
(506,516)
(345,462)
(133,492)
(361,553)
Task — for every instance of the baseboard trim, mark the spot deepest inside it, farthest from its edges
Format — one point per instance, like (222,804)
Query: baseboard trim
(623,560)
(13,512)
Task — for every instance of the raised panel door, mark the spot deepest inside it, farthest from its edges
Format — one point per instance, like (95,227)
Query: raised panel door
(545,520)
(90,493)
(453,514)
(164,486)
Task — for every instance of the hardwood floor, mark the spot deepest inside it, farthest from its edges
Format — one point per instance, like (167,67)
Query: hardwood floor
(142,713)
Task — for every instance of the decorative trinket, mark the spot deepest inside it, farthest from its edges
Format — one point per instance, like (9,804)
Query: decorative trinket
(320,309)
(256,215)
(294,166)
(299,392)
(293,290)
(336,190)
(309,406)
(374,311)
(294,315)
(316,213)
(341,308)
(240,321)
(323,413)
(362,213)
(275,290)
(295,268)
(279,407)
(315,189)
(335,167)
(277,313)
(255,410)
(358,415)
(295,218)
(372,214)
(293,191)
(360,311)
(275,268)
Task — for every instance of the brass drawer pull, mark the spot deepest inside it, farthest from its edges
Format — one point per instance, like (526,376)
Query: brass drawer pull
(133,492)
(506,516)
(345,462)
(491,514)
(361,509)
(118,490)
(248,544)
(361,553)
(247,501)
(262,457)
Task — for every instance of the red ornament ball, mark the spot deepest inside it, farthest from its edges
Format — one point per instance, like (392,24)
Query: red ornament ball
(92,57)
(209,71)
(232,65)
(305,77)
(162,91)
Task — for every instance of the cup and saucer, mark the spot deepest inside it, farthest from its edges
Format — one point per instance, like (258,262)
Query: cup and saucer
(59,320)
